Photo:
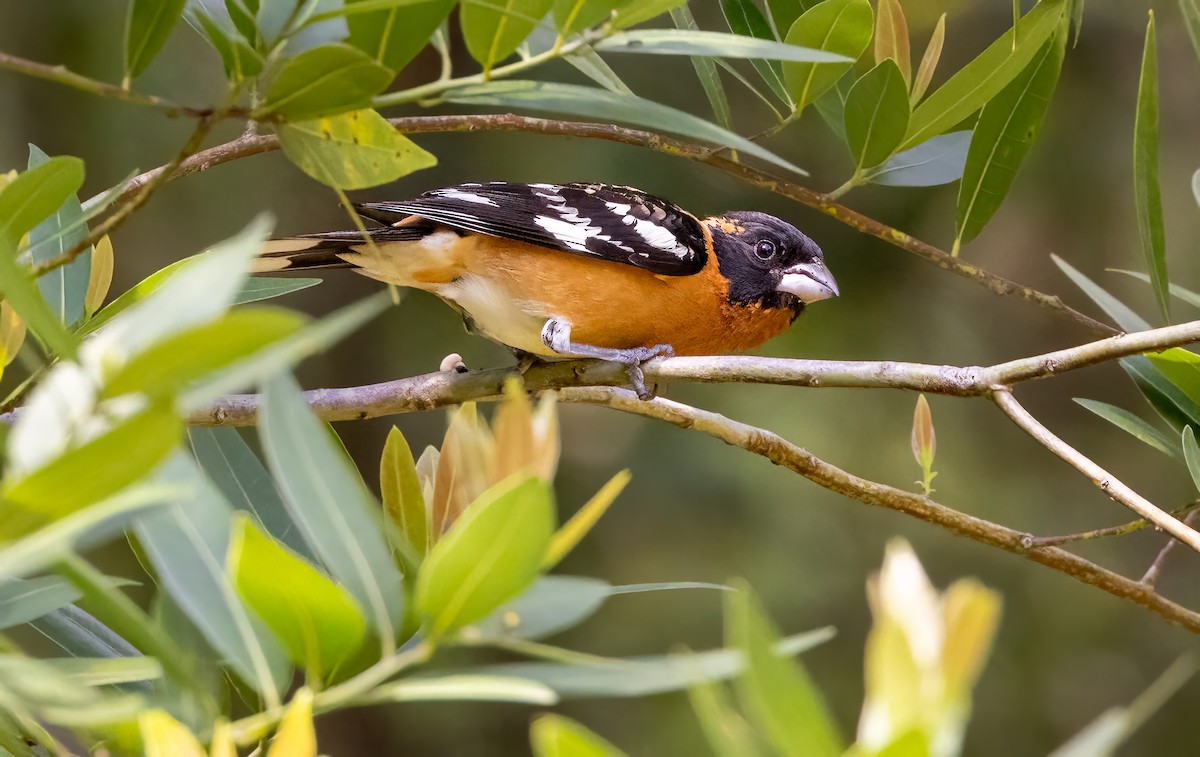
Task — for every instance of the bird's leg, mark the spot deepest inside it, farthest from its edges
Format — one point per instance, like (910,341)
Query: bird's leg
(525,360)
(556,335)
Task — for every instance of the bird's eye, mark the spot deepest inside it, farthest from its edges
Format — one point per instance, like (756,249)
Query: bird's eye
(765,249)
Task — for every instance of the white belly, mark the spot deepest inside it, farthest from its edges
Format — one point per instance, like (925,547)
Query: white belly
(497,314)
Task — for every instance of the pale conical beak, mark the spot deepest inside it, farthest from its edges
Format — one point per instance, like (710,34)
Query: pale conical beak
(811,282)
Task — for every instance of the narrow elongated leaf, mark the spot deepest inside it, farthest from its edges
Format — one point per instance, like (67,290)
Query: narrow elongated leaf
(1147,194)
(238,56)
(1191,455)
(589,63)
(105,671)
(326,81)
(1128,320)
(929,61)
(777,693)
(842,27)
(465,688)
(81,635)
(891,38)
(36,687)
(982,79)
(1191,18)
(22,295)
(64,288)
(23,600)
(186,543)
(297,735)
(329,502)
(590,102)
(352,151)
(706,70)
(1181,367)
(556,736)
(393,36)
(573,531)
(553,604)
(1168,400)
(243,480)
(491,554)
(146,30)
(400,490)
(727,732)
(687,41)
(939,160)
(97,469)
(318,621)
(633,12)
(745,19)
(783,13)
(1003,135)
(643,676)
(100,277)
(1132,425)
(876,115)
(494,31)
(1187,295)
(164,736)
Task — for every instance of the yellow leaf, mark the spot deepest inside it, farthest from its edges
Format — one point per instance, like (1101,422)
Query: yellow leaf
(929,61)
(100,278)
(222,740)
(12,333)
(464,469)
(164,736)
(513,430)
(972,613)
(296,737)
(573,531)
(7,178)
(891,37)
(400,489)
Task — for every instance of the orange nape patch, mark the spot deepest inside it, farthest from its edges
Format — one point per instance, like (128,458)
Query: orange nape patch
(724,224)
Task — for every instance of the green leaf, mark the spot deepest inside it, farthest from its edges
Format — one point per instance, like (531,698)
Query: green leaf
(1003,135)
(146,30)
(706,68)
(634,12)
(745,19)
(1177,291)
(891,38)
(1128,320)
(400,490)
(352,151)
(96,469)
(556,736)
(265,287)
(186,544)
(1103,735)
(1131,424)
(687,41)
(325,81)
(65,287)
(37,687)
(464,688)
(492,553)
(81,635)
(778,694)
(21,293)
(1168,400)
(318,621)
(106,671)
(394,36)
(727,732)
(23,600)
(573,16)
(1191,455)
(643,676)
(590,102)
(240,476)
(1191,18)
(588,62)
(37,552)
(939,160)
(494,31)
(1147,193)
(238,57)
(329,502)
(1181,368)
(982,79)
(552,605)
(783,13)
(175,362)
(842,27)
(876,115)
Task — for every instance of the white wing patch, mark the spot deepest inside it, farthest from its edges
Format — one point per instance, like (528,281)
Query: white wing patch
(456,194)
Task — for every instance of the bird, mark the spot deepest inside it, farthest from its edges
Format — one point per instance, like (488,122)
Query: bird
(582,270)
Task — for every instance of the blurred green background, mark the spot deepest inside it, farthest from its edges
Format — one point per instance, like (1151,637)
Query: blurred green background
(698,510)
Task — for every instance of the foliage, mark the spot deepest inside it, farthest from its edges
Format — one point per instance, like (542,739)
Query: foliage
(263,570)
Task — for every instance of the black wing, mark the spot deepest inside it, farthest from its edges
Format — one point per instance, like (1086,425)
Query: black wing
(620,224)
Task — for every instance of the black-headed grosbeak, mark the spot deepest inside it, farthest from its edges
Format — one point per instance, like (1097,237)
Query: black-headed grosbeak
(583,270)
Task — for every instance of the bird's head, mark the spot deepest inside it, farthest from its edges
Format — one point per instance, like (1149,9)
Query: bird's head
(769,262)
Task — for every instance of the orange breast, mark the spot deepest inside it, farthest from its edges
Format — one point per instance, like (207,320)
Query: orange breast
(617,305)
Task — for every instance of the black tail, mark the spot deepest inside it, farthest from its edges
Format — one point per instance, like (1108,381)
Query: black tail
(311,251)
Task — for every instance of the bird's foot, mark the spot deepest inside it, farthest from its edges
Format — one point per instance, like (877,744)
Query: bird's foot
(556,335)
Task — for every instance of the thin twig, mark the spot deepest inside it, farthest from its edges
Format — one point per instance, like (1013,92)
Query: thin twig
(1108,483)
(1101,533)
(65,76)
(782,452)
(254,145)
(1155,570)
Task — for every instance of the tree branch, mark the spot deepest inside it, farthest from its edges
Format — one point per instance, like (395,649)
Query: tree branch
(1155,570)
(1100,533)
(256,144)
(1108,483)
